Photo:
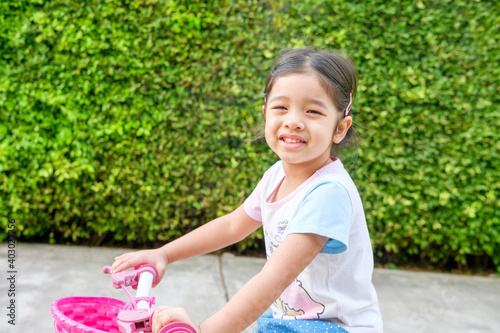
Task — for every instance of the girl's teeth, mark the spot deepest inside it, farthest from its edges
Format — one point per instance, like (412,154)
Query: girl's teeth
(292,140)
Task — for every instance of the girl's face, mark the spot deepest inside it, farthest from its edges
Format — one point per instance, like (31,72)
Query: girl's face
(301,121)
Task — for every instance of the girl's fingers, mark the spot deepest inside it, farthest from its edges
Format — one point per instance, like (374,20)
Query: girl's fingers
(165,315)
(161,317)
(121,263)
(133,259)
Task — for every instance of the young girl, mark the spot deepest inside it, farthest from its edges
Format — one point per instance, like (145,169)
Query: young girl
(317,277)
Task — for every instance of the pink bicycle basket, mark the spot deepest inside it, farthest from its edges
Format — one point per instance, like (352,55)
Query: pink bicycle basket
(86,314)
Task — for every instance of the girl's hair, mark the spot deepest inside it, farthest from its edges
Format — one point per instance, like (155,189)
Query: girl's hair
(335,71)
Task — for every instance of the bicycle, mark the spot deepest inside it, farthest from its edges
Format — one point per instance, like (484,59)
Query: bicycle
(110,315)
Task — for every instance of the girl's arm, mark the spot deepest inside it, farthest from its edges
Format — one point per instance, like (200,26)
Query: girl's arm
(217,234)
(257,295)
(293,255)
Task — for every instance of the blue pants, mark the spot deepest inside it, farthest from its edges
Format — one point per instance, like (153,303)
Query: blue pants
(267,324)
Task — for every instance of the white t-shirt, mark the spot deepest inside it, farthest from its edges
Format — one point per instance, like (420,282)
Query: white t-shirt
(336,286)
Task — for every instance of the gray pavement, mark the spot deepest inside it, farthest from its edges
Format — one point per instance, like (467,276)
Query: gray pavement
(409,301)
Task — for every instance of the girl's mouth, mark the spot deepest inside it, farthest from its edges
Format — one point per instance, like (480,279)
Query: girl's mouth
(290,140)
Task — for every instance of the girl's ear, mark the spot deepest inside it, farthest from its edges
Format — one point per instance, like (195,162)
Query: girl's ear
(342,128)
(264,110)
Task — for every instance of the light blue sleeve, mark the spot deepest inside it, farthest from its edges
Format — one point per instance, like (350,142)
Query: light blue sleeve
(326,211)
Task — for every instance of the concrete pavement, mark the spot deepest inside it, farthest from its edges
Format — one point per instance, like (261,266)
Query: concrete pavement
(410,301)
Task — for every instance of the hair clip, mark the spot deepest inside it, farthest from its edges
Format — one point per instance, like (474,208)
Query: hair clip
(348,108)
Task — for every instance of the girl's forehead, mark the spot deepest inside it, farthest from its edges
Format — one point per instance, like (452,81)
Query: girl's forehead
(299,84)
(297,77)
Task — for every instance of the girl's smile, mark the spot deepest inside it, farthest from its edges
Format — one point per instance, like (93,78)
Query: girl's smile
(292,140)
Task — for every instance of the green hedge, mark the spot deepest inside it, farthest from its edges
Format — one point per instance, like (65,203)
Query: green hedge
(130,121)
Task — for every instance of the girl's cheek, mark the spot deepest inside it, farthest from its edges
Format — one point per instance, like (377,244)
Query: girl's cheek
(272,123)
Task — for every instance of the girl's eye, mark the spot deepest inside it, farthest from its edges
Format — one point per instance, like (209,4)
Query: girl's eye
(279,108)
(314,112)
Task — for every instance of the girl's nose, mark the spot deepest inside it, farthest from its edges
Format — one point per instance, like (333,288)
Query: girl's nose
(293,121)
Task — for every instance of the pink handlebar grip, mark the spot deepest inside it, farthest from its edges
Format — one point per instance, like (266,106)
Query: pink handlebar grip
(177,328)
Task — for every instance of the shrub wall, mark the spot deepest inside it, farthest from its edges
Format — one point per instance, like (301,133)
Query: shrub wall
(128,122)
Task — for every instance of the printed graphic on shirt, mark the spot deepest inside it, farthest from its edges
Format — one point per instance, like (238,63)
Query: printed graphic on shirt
(273,245)
(296,303)
(274,242)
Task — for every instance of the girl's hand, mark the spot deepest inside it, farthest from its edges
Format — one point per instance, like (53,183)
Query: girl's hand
(165,315)
(158,258)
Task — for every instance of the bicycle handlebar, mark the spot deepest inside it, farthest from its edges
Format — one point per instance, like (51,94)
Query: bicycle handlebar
(140,319)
